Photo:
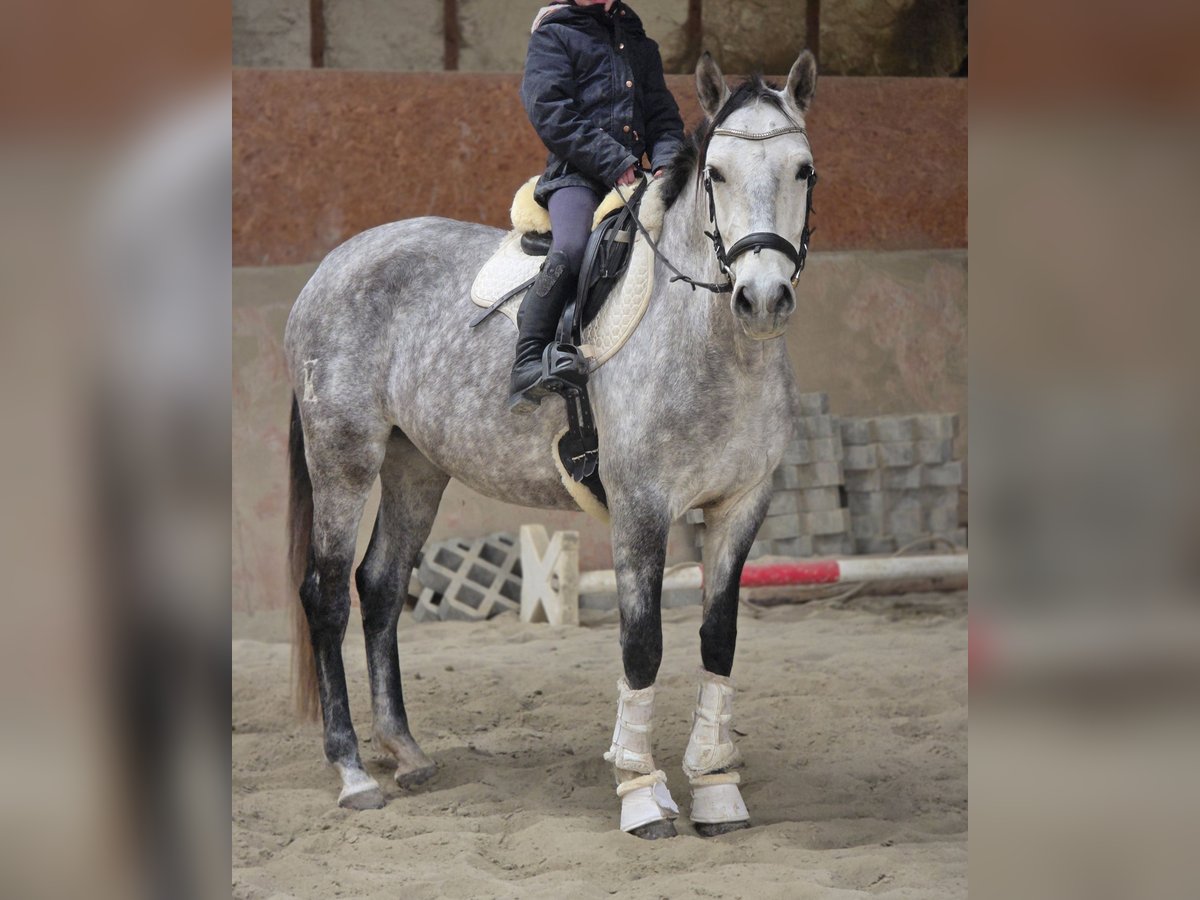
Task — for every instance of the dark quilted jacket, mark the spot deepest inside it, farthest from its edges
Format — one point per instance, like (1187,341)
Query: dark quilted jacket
(595,93)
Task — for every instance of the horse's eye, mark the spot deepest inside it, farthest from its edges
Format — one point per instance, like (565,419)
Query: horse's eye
(805,173)
(715,174)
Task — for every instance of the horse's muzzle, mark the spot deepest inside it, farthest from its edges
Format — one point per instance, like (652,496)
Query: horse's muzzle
(763,311)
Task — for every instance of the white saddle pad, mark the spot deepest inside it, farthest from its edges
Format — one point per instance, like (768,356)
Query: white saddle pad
(621,313)
(507,268)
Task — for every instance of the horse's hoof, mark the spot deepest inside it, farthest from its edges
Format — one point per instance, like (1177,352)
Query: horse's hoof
(652,831)
(413,777)
(712,829)
(366,796)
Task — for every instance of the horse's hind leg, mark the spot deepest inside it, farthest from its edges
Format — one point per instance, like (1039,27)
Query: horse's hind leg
(717,805)
(411,489)
(344,459)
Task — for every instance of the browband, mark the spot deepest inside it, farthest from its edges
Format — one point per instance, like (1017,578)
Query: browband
(760,136)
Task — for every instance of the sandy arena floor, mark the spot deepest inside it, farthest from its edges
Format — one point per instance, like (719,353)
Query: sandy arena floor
(853,726)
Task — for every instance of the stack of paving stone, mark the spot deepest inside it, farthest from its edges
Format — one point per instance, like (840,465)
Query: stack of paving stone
(469,580)
(807,516)
(901,480)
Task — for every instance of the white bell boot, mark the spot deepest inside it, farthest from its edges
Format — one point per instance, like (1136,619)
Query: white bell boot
(645,799)
(641,787)
(716,799)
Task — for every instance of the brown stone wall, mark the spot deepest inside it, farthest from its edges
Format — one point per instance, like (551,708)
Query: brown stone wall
(322,155)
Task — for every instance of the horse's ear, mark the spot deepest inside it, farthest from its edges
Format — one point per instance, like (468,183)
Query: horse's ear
(802,81)
(710,85)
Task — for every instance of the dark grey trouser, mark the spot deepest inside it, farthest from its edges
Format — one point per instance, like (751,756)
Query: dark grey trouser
(571,211)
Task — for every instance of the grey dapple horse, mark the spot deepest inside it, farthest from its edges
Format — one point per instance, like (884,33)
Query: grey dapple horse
(695,411)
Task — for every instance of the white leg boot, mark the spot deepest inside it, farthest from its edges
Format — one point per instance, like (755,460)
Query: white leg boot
(716,799)
(641,787)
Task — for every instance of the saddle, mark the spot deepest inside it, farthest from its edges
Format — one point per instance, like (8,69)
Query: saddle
(605,258)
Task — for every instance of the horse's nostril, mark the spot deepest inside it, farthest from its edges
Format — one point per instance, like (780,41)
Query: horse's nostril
(785,302)
(741,303)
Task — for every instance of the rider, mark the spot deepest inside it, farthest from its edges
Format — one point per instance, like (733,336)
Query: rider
(595,93)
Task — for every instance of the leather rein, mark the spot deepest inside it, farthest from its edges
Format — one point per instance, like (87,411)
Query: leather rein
(756,241)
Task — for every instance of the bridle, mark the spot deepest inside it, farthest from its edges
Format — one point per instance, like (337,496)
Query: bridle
(756,241)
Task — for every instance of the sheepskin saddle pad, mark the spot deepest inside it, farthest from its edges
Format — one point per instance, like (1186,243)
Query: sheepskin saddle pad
(511,266)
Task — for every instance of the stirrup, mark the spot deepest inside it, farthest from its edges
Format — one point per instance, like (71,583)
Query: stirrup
(564,369)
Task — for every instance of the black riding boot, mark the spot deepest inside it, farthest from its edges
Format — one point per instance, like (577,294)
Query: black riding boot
(537,322)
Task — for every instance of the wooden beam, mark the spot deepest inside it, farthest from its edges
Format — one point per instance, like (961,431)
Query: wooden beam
(693,36)
(812,27)
(451,35)
(316,25)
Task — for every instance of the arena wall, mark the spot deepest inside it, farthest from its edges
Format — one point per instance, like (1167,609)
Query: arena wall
(322,155)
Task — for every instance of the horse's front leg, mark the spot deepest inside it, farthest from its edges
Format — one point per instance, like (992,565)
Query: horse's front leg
(717,805)
(639,537)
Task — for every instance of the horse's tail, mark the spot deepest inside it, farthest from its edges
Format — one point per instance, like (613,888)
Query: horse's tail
(299,526)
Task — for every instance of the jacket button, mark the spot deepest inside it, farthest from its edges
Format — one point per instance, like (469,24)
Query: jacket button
(626,129)
(620,46)
(629,84)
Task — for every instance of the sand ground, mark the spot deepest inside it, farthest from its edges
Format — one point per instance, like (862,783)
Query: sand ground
(852,722)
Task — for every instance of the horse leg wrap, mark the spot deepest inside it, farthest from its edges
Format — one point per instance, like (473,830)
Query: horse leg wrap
(710,751)
(630,749)
(716,799)
(645,799)
(710,747)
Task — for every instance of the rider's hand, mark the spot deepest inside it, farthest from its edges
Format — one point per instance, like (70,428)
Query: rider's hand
(628,177)
(658,173)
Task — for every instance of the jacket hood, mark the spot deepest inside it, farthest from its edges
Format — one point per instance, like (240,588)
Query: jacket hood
(568,13)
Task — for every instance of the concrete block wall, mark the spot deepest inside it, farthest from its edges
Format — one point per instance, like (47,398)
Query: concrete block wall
(901,480)
(860,485)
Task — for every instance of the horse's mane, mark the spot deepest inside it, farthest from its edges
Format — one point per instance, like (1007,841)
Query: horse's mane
(689,161)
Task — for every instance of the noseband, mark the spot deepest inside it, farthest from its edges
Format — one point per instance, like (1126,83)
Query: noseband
(756,241)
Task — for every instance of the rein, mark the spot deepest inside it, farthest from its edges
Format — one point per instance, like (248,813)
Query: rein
(756,241)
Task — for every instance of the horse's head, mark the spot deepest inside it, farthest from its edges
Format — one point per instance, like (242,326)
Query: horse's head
(757,166)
